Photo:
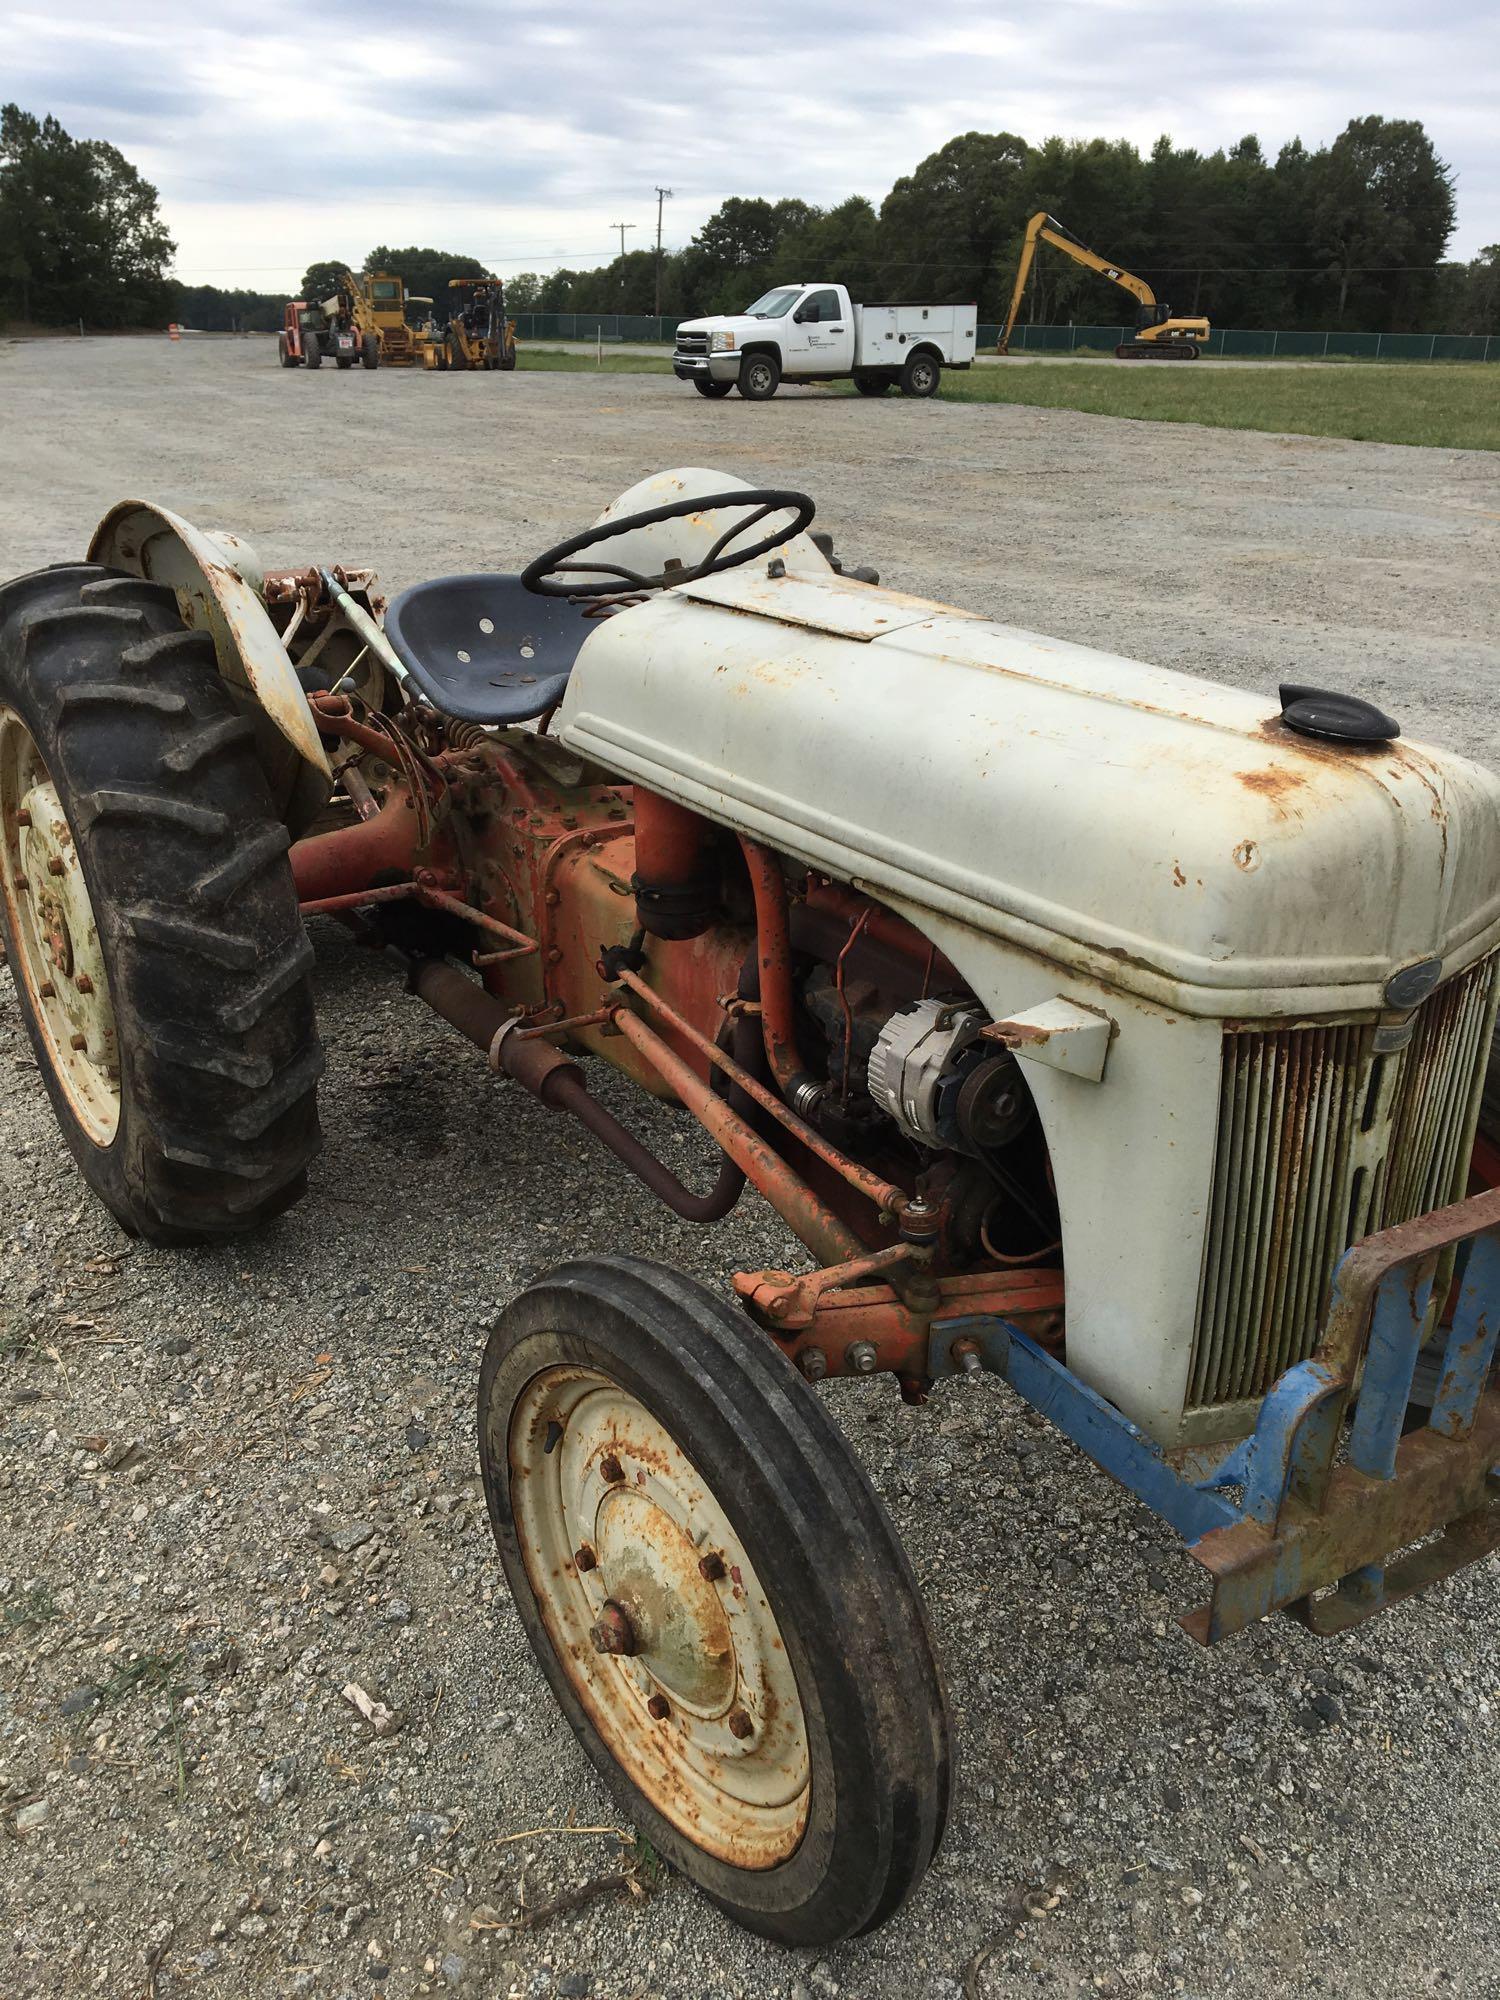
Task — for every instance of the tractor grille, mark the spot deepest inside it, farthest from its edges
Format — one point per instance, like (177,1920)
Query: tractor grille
(1321,1141)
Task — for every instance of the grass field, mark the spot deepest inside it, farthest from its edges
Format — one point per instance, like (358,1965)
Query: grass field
(1456,404)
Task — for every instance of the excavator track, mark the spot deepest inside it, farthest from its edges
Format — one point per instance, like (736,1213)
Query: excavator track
(1157,350)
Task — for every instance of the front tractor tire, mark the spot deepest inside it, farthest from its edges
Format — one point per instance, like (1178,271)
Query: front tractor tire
(369,351)
(149,914)
(716,1596)
(312,353)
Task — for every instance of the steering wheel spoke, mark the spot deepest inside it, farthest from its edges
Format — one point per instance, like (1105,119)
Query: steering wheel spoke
(546,575)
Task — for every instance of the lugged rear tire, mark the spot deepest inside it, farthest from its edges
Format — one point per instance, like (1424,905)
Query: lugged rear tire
(184,863)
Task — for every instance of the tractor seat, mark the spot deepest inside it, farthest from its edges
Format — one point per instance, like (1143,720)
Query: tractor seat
(482,649)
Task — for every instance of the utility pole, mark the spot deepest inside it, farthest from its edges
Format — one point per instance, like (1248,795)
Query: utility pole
(662,194)
(622,227)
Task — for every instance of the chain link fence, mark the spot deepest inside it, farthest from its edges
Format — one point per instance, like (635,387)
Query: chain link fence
(645,328)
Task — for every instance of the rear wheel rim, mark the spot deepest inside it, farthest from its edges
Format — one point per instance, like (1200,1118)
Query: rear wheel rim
(59,959)
(617,1528)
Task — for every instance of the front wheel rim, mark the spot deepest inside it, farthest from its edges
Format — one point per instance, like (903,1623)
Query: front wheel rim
(59,959)
(621,1536)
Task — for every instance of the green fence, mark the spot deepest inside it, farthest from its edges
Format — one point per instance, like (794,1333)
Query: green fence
(1247,341)
(1268,345)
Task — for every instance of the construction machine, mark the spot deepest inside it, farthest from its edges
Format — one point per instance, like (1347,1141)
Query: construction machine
(384,298)
(1160,335)
(478,334)
(339,327)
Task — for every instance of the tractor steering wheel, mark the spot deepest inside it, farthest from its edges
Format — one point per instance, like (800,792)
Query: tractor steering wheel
(541,576)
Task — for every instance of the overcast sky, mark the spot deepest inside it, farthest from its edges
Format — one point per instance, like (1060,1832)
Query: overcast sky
(282,130)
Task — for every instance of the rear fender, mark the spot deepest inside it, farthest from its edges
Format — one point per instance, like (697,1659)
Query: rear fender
(217,581)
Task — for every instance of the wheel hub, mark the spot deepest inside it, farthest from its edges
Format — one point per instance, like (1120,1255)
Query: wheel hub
(655,1611)
(60,959)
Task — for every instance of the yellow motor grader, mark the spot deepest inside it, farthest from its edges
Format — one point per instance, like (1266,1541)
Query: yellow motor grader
(477,334)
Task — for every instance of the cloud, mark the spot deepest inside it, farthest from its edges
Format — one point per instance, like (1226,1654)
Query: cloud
(519,133)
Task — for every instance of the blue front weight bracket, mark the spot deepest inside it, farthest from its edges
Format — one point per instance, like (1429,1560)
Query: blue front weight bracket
(1304,1524)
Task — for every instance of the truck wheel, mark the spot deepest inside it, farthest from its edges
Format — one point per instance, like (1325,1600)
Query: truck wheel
(921,375)
(717,1597)
(759,376)
(284,353)
(149,913)
(312,353)
(369,351)
(707,386)
(872,385)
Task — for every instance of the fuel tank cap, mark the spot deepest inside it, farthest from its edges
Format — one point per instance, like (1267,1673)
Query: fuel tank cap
(1335,718)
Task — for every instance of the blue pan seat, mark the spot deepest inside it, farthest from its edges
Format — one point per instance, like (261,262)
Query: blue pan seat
(482,649)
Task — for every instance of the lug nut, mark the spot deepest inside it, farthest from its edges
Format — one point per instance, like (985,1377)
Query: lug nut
(611,1469)
(23,817)
(966,1354)
(84,983)
(612,1632)
(813,1362)
(54,864)
(658,1708)
(711,1568)
(740,1724)
(47,990)
(861,1356)
(584,1558)
(79,1042)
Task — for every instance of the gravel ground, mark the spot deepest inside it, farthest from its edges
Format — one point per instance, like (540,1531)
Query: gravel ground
(234,1481)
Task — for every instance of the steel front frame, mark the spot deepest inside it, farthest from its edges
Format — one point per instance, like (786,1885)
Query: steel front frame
(1366,1513)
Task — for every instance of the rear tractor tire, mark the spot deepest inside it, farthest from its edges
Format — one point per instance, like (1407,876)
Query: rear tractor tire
(149,915)
(716,1596)
(312,353)
(284,353)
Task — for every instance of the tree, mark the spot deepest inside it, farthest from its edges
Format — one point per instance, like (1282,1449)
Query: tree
(81,236)
(945,226)
(522,291)
(1383,212)
(322,279)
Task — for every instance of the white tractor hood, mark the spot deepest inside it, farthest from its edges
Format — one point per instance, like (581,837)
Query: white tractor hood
(1162,835)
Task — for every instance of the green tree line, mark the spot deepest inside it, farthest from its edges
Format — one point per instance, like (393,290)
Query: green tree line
(1352,235)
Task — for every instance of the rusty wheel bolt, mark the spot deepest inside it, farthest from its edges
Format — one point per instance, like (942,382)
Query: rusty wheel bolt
(611,1469)
(54,864)
(740,1724)
(23,817)
(84,983)
(79,1042)
(813,1362)
(612,1632)
(711,1568)
(584,1558)
(47,990)
(658,1708)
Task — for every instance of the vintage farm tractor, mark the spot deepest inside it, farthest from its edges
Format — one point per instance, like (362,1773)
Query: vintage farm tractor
(1093,1027)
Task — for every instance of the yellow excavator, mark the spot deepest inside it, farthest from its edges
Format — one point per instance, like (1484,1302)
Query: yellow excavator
(1159,336)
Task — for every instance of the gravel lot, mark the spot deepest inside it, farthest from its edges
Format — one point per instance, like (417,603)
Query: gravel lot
(233,1481)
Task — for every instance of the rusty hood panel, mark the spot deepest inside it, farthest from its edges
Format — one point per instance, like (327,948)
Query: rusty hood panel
(1166,835)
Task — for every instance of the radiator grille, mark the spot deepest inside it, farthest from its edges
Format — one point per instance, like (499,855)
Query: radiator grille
(1322,1140)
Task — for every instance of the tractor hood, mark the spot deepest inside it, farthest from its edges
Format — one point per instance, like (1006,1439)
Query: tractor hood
(1157,833)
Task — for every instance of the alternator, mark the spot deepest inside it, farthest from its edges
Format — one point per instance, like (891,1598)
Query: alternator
(914,1053)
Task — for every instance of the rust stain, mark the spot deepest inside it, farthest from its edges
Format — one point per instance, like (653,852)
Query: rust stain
(1273,782)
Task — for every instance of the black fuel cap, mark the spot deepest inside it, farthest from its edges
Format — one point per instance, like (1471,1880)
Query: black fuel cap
(1337,718)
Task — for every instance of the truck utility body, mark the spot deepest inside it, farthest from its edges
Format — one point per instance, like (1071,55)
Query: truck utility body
(815,333)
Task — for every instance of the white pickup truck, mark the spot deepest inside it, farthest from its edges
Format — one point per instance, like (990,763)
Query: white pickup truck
(814,333)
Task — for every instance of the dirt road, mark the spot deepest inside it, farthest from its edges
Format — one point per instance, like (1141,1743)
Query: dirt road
(234,1481)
